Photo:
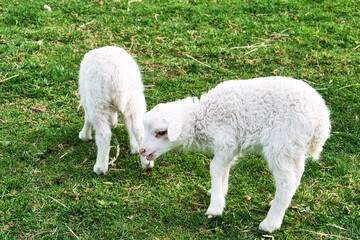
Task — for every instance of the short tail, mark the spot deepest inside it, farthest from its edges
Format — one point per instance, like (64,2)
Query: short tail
(315,150)
(321,134)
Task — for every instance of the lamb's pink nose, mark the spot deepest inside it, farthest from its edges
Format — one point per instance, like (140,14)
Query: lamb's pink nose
(142,151)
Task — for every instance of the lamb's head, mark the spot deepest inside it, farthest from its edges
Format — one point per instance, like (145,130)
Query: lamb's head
(163,127)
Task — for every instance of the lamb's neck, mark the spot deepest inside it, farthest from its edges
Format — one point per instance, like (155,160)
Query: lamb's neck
(190,139)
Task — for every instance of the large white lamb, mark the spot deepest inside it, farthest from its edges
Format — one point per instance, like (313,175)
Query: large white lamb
(110,82)
(282,118)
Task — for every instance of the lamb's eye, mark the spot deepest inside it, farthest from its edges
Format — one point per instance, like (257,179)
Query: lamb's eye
(160,133)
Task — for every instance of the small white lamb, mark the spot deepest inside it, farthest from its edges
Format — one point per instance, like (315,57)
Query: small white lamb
(282,118)
(110,82)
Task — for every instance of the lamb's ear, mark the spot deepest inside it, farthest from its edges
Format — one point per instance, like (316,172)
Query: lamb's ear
(174,130)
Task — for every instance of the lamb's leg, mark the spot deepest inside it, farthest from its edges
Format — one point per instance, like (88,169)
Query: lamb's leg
(286,184)
(133,142)
(85,133)
(138,131)
(114,119)
(225,181)
(145,164)
(102,137)
(135,129)
(300,166)
(218,172)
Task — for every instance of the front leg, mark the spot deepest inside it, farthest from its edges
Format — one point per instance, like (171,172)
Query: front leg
(225,180)
(102,138)
(134,143)
(218,171)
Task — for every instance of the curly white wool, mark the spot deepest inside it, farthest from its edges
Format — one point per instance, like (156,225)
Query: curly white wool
(282,118)
(110,82)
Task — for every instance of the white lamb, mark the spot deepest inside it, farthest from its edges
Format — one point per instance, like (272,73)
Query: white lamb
(282,118)
(110,82)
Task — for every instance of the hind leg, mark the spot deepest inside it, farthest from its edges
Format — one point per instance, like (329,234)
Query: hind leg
(85,133)
(102,138)
(300,166)
(286,180)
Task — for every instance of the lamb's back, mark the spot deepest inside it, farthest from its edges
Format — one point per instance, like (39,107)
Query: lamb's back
(245,107)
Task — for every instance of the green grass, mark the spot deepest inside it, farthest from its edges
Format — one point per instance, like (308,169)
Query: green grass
(47,187)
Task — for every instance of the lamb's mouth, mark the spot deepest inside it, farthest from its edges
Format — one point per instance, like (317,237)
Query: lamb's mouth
(151,156)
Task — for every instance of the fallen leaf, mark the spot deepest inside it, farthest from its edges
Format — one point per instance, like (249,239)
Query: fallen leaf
(37,109)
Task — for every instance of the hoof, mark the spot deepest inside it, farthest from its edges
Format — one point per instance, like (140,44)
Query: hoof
(145,164)
(100,170)
(84,137)
(267,226)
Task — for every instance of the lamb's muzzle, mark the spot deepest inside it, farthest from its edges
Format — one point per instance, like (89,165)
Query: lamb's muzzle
(149,157)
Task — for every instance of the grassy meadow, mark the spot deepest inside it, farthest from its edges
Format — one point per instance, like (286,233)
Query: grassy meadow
(184,47)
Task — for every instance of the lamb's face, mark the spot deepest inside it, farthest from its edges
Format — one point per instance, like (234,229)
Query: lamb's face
(160,131)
